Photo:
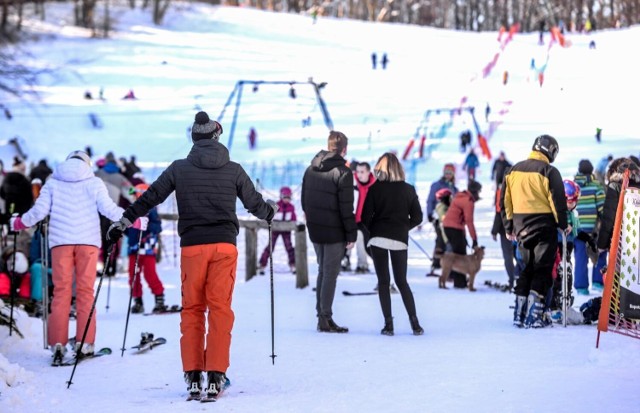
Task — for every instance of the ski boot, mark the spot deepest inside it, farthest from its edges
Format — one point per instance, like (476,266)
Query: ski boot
(216,383)
(520,311)
(193,379)
(261,270)
(87,350)
(160,306)
(415,326)
(535,310)
(58,354)
(138,306)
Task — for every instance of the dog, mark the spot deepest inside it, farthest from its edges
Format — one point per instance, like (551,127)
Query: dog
(466,264)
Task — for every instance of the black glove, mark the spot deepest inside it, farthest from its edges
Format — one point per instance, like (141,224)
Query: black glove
(274,208)
(475,244)
(430,219)
(116,230)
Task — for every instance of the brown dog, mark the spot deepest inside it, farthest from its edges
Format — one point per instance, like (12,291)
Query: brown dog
(466,264)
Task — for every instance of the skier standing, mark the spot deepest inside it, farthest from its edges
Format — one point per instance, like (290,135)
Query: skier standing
(286,212)
(73,198)
(533,206)
(207,184)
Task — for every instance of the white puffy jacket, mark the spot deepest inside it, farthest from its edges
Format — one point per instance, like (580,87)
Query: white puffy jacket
(73,197)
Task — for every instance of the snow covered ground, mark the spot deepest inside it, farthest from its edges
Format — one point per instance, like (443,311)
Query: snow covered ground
(470,358)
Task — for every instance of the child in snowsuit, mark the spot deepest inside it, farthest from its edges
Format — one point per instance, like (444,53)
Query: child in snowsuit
(145,250)
(286,212)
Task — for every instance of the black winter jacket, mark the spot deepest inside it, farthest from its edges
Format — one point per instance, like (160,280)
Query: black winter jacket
(327,199)
(391,209)
(608,218)
(207,184)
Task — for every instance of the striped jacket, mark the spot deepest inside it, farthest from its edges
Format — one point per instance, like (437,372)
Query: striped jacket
(533,197)
(590,203)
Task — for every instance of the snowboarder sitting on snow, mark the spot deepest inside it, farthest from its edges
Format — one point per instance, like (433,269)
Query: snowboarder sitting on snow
(286,212)
(145,250)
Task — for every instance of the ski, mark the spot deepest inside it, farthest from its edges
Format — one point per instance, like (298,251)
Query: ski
(102,352)
(208,399)
(143,347)
(169,310)
(352,294)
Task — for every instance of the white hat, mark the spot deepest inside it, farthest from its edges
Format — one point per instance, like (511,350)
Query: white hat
(22,264)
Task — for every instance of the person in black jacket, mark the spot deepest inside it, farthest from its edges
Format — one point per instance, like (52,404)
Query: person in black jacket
(41,171)
(390,211)
(327,201)
(500,167)
(533,206)
(16,191)
(207,184)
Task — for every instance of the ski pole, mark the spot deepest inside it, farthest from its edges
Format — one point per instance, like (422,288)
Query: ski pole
(273,355)
(93,308)
(13,275)
(420,247)
(44,274)
(134,278)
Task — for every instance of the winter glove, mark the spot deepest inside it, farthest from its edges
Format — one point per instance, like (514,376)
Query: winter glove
(274,208)
(475,244)
(141,223)
(430,219)
(16,223)
(116,230)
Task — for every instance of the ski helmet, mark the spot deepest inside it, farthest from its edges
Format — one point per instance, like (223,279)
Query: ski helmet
(83,156)
(443,193)
(285,192)
(571,190)
(548,145)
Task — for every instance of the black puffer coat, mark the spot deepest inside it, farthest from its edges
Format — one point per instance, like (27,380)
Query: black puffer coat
(327,199)
(207,184)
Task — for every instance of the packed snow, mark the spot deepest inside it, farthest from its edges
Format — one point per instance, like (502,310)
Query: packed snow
(470,357)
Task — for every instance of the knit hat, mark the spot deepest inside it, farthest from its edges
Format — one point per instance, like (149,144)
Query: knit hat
(449,167)
(474,187)
(205,128)
(585,167)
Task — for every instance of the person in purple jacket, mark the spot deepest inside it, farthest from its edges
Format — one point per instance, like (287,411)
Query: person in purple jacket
(286,212)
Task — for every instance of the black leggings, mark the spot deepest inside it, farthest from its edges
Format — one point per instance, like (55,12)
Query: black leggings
(399,264)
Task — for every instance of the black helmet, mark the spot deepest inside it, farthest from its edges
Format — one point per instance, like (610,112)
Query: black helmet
(548,145)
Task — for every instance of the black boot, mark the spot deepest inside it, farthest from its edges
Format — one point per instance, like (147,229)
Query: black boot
(519,311)
(160,305)
(415,326)
(194,381)
(327,325)
(138,306)
(388,327)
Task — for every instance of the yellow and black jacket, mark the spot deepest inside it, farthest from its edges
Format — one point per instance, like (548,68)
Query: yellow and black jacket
(533,196)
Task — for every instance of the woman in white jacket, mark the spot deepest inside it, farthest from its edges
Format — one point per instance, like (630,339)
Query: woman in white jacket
(73,197)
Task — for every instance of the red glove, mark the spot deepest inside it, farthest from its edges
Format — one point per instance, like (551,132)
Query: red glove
(16,224)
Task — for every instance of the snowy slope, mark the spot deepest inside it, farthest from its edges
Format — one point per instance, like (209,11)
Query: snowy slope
(470,358)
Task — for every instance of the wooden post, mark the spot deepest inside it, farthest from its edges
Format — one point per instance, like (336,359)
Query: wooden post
(251,254)
(302,269)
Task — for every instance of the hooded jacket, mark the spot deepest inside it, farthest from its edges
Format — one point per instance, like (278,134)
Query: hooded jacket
(610,207)
(207,184)
(460,213)
(73,197)
(590,203)
(327,199)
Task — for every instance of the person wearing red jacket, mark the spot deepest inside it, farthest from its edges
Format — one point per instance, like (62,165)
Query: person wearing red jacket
(459,215)
(363,181)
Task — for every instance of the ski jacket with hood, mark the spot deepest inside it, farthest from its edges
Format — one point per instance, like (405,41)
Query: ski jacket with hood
(327,199)
(533,197)
(207,184)
(460,214)
(73,197)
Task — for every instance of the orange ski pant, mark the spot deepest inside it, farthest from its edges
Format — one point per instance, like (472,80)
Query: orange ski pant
(208,274)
